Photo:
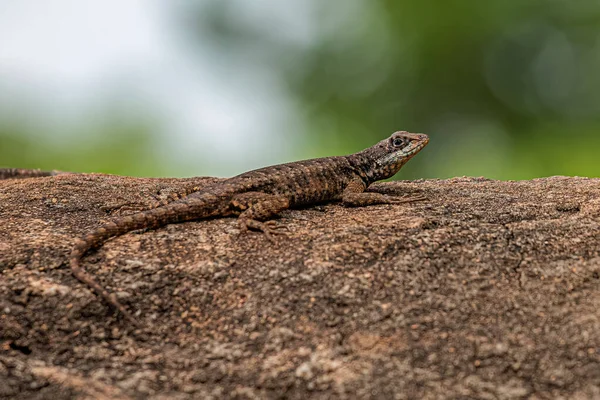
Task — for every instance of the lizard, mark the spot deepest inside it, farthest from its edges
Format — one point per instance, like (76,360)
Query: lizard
(19,173)
(255,197)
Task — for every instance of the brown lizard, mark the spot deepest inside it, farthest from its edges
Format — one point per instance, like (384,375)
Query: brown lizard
(19,173)
(256,196)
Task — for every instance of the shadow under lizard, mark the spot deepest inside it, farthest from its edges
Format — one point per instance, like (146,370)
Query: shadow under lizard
(256,196)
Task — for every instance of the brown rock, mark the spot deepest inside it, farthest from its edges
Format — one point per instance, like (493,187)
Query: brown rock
(487,290)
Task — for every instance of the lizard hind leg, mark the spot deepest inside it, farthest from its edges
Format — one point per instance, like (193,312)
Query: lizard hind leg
(257,207)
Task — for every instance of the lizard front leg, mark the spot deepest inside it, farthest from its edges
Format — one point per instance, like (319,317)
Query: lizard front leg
(354,195)
(257,207)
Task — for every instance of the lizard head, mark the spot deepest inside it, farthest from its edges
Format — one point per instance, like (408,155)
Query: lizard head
(389,155)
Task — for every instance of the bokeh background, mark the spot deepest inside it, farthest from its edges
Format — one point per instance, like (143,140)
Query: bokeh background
(505,89)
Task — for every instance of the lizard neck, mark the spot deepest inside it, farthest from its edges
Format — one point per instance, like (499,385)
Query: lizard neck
(369,167)
(364,166)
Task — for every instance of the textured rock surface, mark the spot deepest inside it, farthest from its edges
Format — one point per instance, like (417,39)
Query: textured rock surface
(488,289)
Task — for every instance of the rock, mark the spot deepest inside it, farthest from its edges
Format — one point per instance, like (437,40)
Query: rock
(486,289)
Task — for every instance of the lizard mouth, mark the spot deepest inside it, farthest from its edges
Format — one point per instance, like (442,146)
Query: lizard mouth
(417,142)
(399,157)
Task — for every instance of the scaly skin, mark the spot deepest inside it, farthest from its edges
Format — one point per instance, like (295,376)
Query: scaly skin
(258,195)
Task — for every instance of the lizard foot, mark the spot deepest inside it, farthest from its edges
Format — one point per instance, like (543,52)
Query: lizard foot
(269,228)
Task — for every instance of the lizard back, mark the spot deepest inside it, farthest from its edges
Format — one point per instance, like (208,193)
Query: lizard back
(302,182)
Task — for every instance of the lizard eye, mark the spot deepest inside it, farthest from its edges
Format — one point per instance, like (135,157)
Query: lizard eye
(398,142)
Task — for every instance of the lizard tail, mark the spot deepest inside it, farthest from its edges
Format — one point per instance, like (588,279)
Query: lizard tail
(150,219)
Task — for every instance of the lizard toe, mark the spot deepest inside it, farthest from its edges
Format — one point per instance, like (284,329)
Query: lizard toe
(276,227)
(267,228)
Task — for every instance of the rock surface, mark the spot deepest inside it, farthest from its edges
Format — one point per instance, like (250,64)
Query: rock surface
(488,290)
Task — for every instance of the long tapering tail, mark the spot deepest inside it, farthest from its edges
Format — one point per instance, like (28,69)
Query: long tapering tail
(182,210)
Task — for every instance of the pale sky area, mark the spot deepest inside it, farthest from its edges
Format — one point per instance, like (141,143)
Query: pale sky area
(63,60)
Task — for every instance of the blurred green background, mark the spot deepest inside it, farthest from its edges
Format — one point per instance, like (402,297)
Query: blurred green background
(505,89)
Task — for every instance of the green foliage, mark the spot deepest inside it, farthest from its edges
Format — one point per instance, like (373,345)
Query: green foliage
(110,149)
(505,89)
